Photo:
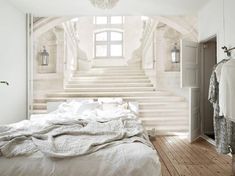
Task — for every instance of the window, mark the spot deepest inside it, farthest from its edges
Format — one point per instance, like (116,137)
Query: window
(104,20)
(101,20)
(108,44)
(116,20)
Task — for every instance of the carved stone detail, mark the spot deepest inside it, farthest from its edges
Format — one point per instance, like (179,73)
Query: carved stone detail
(104,4)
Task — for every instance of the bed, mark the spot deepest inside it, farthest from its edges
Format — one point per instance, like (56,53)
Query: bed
(83,138)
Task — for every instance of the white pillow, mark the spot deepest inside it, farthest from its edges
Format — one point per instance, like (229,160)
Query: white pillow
(70,107)
(87,106)
(53,106)
(110,100)
(110,103)
(109,106)
(134,107)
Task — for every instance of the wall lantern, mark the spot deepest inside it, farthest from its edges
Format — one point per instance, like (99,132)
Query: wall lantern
(44,57)
(175,54)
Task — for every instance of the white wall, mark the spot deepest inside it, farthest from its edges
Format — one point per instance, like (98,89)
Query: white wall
(125,7)
(12,63)
(211,22)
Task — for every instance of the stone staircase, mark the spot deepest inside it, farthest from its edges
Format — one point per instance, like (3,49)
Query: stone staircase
(159,110)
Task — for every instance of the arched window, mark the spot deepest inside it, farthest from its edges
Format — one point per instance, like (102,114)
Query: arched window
(108,44)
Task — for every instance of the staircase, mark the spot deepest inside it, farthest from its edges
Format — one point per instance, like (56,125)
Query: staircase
(159,110)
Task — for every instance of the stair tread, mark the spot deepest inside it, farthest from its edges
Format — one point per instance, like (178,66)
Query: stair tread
(164,110)
(111,88)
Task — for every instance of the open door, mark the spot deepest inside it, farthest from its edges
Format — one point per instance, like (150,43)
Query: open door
(189,64)
(194,114)
(190,74)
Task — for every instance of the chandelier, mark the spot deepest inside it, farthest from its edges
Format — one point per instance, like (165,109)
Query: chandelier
(104,4)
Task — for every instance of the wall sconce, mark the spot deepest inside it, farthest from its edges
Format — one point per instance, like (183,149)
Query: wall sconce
(175,54)
(44,57)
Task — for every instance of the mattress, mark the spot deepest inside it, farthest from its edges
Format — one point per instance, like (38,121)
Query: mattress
(135,159)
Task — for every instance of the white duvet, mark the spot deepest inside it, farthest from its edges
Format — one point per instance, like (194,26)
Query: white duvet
(120,150)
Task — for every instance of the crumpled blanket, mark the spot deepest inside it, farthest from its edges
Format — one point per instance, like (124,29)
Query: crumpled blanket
(70,137)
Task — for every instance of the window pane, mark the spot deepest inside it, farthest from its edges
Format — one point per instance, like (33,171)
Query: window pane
(116,50)
(116,19)
(101,50)
(116,36)
(101,20)
(101,36)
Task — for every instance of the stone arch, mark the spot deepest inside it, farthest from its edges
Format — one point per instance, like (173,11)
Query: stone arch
(179,25)
(45,24)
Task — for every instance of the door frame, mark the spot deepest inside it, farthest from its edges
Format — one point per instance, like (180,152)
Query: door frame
(29,60)
(202,82)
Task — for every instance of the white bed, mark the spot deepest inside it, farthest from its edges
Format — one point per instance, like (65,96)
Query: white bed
(122,159)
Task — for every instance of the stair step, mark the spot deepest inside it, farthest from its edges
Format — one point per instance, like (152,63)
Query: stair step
(164,95)
(115,68)
(155,113)
(169,110)
(162,105)
(165,122)
(100,71)
(108,77)
(141,100)
(112,89)
(108,74)
(39,106)
(54,97)
(156,99)
(166,118)
(105,85)
(167,128)
(105,81)
(39,111)
(45,100)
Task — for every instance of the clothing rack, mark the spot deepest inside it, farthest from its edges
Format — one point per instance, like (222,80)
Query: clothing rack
(228,51)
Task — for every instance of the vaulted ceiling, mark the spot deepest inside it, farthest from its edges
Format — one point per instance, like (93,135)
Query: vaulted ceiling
(124,7)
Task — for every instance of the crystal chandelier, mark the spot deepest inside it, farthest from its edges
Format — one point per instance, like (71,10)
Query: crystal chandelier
(104,4)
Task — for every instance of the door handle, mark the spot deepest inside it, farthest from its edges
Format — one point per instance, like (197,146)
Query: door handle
(4,82)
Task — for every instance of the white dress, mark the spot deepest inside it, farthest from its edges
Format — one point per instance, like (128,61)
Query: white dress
(227,90)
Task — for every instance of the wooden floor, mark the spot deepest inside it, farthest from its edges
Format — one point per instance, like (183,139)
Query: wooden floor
(179,157)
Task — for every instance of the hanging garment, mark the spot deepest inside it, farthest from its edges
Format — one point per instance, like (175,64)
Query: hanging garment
(227,90)
(222,126)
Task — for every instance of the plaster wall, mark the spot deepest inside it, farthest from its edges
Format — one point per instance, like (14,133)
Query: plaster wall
(217,18)
(12,64)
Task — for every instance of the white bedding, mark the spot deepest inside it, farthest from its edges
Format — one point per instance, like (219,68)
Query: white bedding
(128,159)
(134,159)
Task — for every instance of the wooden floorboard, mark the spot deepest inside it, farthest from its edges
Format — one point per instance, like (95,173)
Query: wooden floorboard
(180,158)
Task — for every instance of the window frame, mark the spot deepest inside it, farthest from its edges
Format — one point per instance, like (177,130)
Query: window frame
(108,43)
(101,16)
(109,20)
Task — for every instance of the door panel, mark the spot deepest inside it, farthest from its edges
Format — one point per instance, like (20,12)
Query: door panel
(194,114)
(189,64)
(190,72)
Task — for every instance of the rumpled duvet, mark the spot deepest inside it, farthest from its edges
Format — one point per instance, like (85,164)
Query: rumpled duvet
(69,137)
(95,143)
